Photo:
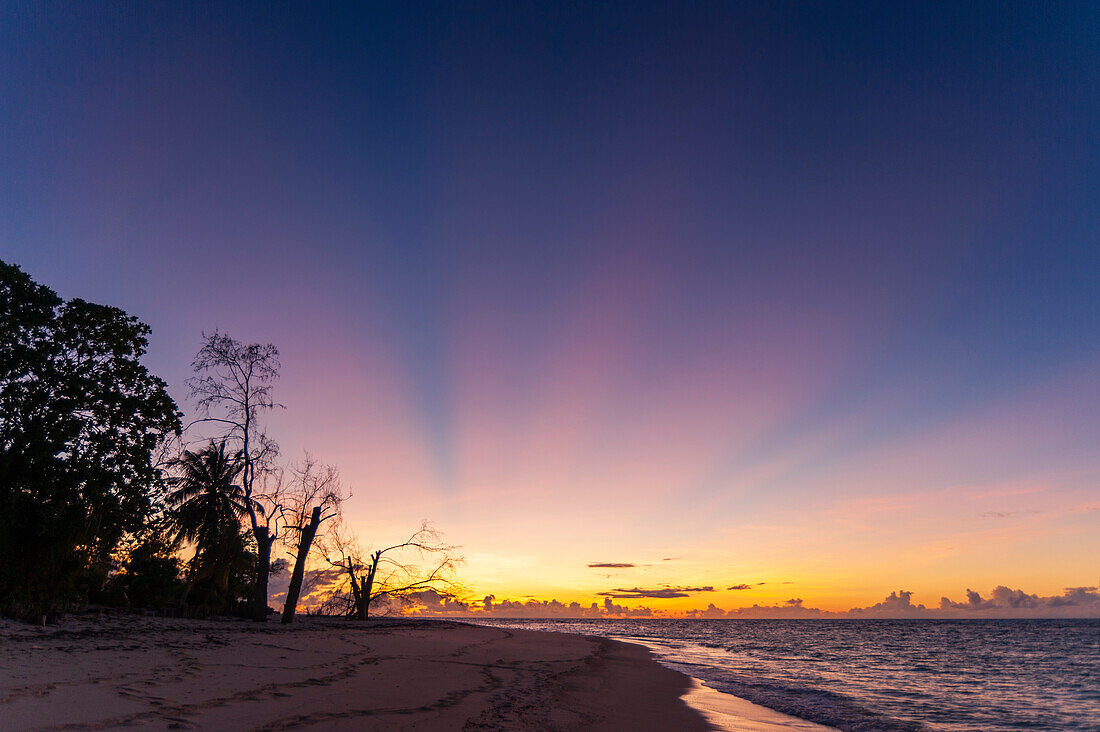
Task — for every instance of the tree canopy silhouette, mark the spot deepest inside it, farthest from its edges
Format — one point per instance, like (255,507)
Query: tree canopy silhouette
(80,420)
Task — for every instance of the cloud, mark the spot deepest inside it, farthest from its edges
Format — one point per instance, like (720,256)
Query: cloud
(711,611)
(898,604)
(663,593)
(790,609)
(611,608)
(492,607)
(1006,601)
(1002,602)
(612,565)
(317,585)
(430,602)
(741,587)
(1006,514)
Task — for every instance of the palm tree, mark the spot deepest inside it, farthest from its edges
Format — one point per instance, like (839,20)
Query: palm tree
(207,508)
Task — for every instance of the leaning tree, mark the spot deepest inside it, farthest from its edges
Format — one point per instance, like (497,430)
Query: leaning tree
(314,497)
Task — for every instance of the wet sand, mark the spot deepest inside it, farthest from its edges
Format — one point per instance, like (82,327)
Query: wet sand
(137,672)
(734,714)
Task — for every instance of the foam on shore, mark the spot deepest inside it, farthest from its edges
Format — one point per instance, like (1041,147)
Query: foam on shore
(734,714)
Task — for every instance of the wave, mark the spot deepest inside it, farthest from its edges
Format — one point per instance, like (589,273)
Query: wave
(814,705)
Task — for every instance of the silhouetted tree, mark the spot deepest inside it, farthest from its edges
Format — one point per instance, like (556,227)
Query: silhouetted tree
(315,498)
(80,420)
(232,388)
(391,572)
(207,508)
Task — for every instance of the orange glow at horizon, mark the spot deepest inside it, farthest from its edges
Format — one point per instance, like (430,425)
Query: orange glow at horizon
(849,533)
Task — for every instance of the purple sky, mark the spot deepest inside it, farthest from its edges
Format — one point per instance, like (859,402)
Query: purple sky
(802,292)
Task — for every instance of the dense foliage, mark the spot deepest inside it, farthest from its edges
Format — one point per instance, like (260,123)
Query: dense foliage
(149,569)
(80,422)
(207,507)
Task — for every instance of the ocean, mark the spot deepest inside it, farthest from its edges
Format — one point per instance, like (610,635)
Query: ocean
(883,674)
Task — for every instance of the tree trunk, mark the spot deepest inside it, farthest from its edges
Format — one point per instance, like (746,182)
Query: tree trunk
(361,599)
(263,569)
(187,587)
(304,544)
(356,588)
(368,587)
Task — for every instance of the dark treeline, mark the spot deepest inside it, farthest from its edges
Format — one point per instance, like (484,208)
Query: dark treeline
(107,498)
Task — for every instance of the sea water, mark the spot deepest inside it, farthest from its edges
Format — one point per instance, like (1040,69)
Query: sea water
(883,674)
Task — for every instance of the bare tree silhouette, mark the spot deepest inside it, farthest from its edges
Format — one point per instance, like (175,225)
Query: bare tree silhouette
(392,572)
(232,388)
(314,498)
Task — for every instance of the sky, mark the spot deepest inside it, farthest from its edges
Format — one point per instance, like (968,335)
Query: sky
(803,297)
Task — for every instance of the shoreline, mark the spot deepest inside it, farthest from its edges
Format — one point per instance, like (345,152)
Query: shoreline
(728,713)
(136,671)
(721,711)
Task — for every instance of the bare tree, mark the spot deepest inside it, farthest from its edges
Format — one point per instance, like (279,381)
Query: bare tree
(314,498)
(391,572)
(232,388)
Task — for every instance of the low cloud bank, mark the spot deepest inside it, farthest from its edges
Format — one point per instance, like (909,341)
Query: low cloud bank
(490,606)
(1002,602)
(1006,602)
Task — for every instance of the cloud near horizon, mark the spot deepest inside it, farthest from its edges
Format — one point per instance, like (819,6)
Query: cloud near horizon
(662,593)
(1002,602)
(612,565)
(491,607)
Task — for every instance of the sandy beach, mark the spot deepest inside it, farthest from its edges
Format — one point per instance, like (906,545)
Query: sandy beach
(125,671)
(115,671)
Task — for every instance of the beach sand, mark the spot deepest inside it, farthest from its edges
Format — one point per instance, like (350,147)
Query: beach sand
(127,671)
(133,672)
